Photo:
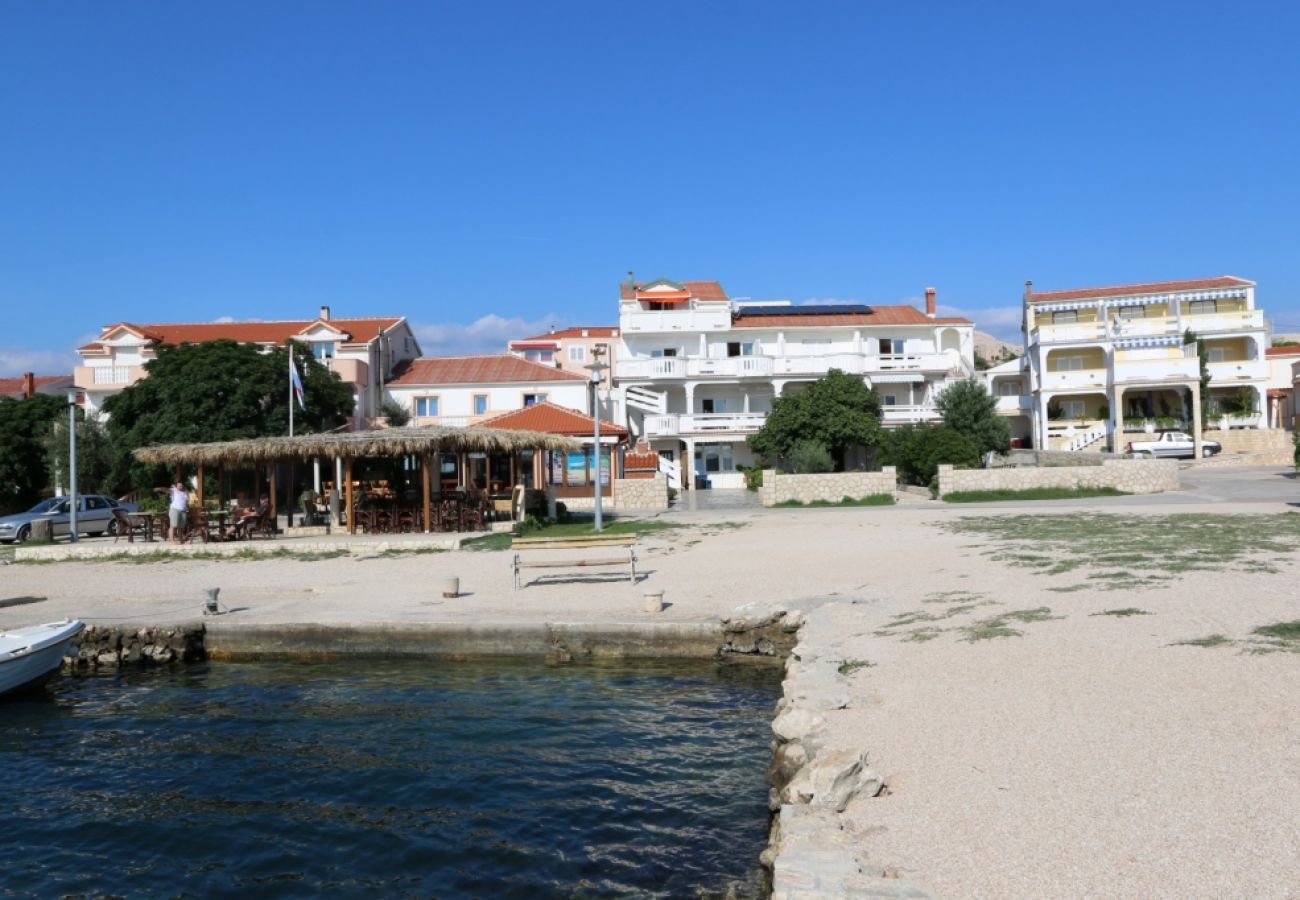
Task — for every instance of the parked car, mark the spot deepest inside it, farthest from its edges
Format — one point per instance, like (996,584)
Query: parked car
(1174,445)
(94,517)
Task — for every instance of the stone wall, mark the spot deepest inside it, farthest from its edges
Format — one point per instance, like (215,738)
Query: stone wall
(109,647)
(1133,476)
(629,494)
(1046,458)
(1251,440)
(831,487)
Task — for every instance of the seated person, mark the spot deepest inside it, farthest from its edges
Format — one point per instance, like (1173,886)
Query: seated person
(309,501)
(247,518)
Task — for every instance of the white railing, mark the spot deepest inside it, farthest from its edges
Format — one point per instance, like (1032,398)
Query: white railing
(1076,331)
(646,400)
(704,423)
(678,367)
(633,318)
(1181,368)
(1254,420)
(673,470)
(902,415)
(1242,320)
(1075,436)
(1239,370)
(1074,378)
(1014,404)
(851,363)
(112,374)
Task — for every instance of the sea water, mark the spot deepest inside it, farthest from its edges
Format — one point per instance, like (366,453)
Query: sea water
(389,778)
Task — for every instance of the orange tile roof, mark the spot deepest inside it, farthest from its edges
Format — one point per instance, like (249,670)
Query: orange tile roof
(358,331)
(500,368)
(593,331)
(700,290)
(15,385)
(879,315)
(1282,351)
(1149,287)
(552,419)
(635,460)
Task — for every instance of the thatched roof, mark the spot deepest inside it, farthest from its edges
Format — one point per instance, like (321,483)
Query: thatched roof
(385,442)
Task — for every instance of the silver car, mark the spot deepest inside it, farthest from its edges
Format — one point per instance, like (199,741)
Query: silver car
(94,516)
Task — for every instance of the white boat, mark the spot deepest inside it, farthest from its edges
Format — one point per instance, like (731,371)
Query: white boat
(28,656)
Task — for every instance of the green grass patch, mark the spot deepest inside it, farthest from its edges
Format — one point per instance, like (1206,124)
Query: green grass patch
(849,666)
(953,597)
(1124,552)
(999,626)
(1214,640)
(572,529)
(398,552)
(1030,494)
(871,500)
(1122,613)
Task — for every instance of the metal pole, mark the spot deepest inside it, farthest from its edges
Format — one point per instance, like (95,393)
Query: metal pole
(595,406)
(72,467)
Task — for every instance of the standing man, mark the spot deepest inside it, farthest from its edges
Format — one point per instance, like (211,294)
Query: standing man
(179,511)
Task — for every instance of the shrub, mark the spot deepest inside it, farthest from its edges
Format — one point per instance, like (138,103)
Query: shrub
(918,451)
(808,457)
(753,476)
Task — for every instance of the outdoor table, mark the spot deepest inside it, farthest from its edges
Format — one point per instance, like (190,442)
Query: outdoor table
(145,520)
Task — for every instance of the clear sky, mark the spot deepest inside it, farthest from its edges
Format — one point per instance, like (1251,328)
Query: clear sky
(487,169)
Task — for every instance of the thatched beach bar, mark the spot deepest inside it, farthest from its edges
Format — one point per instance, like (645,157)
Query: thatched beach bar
(422,443)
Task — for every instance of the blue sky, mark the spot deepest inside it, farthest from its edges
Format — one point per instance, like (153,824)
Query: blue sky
(490,168)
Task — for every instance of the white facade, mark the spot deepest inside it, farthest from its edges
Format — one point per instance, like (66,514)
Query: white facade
(469,404)
(698,373)
(1106,362)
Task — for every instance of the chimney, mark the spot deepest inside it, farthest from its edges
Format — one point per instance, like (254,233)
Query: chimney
(1029,290)
(29,385)
(930,304)
(325,313)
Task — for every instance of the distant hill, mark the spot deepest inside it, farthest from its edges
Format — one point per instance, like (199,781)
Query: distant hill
(994,350)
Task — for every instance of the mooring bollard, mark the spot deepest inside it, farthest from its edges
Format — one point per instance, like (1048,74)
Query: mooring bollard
(211,607)
(451,587)
(654,601)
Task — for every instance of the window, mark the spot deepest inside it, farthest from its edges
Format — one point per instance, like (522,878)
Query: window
(480,404)
(1215,354)
(1072,409)
(1068,364)
(740,348)
(426,406)
(322,351)
(710,405)
(534,399)
(577,353)
(96,503)
(539,356)
(662,352)
(889,400)
(1131,312)
(891,347)
(1203,307)
(715,459)
(1065,317)
(1009,389)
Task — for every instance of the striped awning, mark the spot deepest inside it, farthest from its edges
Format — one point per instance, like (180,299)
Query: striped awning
(1070,304)
(897,378)
(1167,340)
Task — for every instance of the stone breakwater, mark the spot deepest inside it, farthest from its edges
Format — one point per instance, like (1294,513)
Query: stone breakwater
(110,647)
(813,778)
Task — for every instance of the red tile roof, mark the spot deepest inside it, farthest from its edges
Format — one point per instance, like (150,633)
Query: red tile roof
(10,386)
(498,368)
(1150,287)
(1282,351)
(700,290)
(357,331)
(879,315)
(552,419)
(641,460)
(593,331)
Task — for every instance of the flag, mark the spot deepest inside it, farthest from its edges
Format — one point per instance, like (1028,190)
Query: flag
(296,382)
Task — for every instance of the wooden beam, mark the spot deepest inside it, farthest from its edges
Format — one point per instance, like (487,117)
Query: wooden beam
(352,507)
(424,484)
(199,490)
(274,513)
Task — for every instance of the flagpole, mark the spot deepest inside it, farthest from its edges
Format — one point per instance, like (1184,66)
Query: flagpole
(292,398)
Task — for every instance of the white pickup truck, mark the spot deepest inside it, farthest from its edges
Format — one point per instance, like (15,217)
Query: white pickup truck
(1175,445)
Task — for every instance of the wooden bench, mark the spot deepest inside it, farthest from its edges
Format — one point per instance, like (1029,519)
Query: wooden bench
(580,543)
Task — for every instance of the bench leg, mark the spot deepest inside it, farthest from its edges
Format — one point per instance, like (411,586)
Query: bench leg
(632,561)
(515,566)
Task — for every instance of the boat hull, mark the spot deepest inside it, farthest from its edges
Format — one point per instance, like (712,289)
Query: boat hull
(31,656)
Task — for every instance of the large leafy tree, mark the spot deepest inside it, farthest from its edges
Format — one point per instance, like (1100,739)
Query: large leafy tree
(969,409)
(838,412)
(918,450)
(218,391)
(95,456)
(24,426)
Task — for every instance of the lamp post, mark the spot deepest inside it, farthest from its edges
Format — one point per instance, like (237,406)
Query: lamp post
(596,368)
(72,466)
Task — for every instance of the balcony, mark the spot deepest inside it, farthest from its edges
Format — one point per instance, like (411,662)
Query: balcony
(1074,379)
(1242,320)
(676,368)
(1014,405)
(703,423)
(1174,368)
(1074,332)
(635,320)
(1239,370)
(905,415)
(93,377)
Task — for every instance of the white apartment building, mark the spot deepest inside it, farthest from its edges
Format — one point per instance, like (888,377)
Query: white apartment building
(1103,362)
(361,351)
(572,350)
(696,373)
(466,390)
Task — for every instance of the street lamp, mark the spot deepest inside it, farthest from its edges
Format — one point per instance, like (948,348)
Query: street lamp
(72,466)
(596,368)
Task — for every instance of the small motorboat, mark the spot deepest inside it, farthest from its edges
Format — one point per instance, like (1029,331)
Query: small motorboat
(29,656)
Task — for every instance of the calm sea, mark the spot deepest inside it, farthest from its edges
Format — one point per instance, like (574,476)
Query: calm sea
(377,778)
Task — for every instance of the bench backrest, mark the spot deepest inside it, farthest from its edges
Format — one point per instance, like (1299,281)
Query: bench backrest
(572,542)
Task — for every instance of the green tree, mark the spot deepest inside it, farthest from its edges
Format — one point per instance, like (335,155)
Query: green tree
(24,425)
(95,454)
(218,391)
(809,457)
(1203,355)
(837,412)
(918,450)
(397,414)
(969,409)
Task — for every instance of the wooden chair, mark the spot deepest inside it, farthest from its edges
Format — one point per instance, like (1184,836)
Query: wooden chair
(129,526)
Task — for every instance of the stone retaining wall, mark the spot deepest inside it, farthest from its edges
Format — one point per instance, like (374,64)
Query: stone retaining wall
(629,494)
(830,487)
(109,647)
(1132,476)
(1251,440)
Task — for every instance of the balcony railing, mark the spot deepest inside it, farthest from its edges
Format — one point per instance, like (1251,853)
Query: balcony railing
(634,319)
(679,367)
(704,423)
(1174,368)
(1117,329)
(1014,404)
(113,375)
(902,415)
(1074,378)
(1240,370)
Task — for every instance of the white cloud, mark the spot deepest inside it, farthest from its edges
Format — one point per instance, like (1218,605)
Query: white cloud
(1003,322)
(17,360)
(829,301)
(487,334)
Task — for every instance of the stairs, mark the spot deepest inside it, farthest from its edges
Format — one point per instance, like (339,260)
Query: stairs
(674,472)
(646,400)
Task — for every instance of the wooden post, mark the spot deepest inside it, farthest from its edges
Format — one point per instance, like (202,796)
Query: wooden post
(180,473)
(199,490)
(424,479)
(275,521)
(347,488)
